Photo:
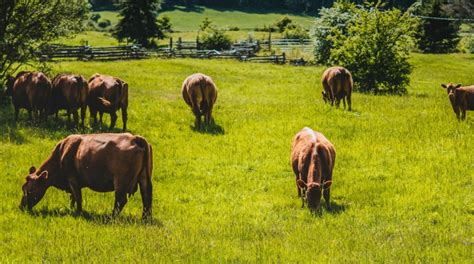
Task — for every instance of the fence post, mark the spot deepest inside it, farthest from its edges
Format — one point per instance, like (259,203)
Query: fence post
(284,58)
(270,40)
(179,43)
(197,42)
(171,43)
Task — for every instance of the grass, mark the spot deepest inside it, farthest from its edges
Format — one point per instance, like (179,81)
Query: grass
(402,188)
(184,19)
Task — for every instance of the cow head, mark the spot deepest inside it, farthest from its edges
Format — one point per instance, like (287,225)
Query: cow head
(10,82)
(313,194)
(450,88)
(34,188)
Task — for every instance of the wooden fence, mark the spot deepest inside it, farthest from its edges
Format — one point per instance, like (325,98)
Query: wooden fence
(55,52)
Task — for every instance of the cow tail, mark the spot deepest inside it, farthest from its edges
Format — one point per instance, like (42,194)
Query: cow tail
(205,99)
(147,169)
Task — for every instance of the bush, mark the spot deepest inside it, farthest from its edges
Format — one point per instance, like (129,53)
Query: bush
(296,32)
(233,29)
(206,23)
(376,49)
(164,23)
(283,23)
(214,38)
(331,21)
(104,23)
(95,17)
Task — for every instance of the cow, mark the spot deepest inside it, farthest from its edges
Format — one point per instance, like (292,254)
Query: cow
(312,160)
(108,94)
(337,84)
(70,93)
(200,93)
(102,162)
(461,98)
(31,91)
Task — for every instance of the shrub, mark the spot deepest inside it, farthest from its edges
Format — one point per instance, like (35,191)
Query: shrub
(164,23)
(206,23)
(283,23)
(233,29)
(95,17)
(296,32)
(376,49)
(331,21)
(214,38)
(104,23)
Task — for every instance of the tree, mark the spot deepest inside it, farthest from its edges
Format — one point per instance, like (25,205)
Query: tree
(26,26)
(212,37)
(376,49)
(438,35)
(331,21)
(138,22)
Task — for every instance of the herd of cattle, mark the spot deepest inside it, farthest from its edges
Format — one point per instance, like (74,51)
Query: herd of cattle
(123,162)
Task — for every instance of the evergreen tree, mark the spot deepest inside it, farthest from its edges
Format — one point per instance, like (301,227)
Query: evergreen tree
(437,35)
(138,22)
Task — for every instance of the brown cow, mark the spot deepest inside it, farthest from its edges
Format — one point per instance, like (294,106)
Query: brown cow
(200,93)
(31,91)
(337,85)
(70,93)
(101,162)
(461,98)
(312,159)
(108,94)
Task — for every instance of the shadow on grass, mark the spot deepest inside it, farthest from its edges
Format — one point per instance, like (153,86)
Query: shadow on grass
(101,219)
(212,129)
(251,10)
(17,132)
(335,209)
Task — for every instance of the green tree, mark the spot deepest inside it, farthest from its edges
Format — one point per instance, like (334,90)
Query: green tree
(437,35)
(138,22)
(331,21)
(376,49)
(26,26)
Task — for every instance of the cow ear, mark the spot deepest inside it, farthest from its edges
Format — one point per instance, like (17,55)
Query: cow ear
(457,86)
(327,184)
(301,184)
(32,169)
(444,86)
(43,175)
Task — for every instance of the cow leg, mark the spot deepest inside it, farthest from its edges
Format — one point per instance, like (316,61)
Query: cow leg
(113,117)
(326,194)
(30,115)
(344,102)
(76,193)
(73,201)
(93,115)
(208,117)
(124,118)
(349,103)
(120,201)
(463,114)
(101,114)
(68,113)
(76,117)
(83,114)
(146,193)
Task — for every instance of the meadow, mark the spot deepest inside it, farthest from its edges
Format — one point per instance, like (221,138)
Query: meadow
(402,188)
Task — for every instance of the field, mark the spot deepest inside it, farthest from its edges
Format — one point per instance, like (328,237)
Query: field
(402,188)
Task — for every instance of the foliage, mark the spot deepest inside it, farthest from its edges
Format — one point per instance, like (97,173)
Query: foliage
(138,22)
(95,17)
(104,23)
(295,32)
(460,8)
(214,38)
(206,23)
(231,197)
(437,36)
(331,22)
(283,23)
(164,23)
(25,28)
(376,49)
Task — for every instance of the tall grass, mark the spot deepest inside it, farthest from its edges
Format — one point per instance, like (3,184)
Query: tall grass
(402,188)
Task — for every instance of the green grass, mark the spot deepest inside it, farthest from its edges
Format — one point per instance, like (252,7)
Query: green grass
(402,188)
(184,20)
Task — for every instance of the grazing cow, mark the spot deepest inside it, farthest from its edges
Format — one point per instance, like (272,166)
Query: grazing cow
(70,93)
(101,162)
(337,85)
(200,93)
(312,159)
(31,91)
(461,98)
(108,94)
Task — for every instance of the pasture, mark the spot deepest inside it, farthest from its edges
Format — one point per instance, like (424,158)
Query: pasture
(402,189)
